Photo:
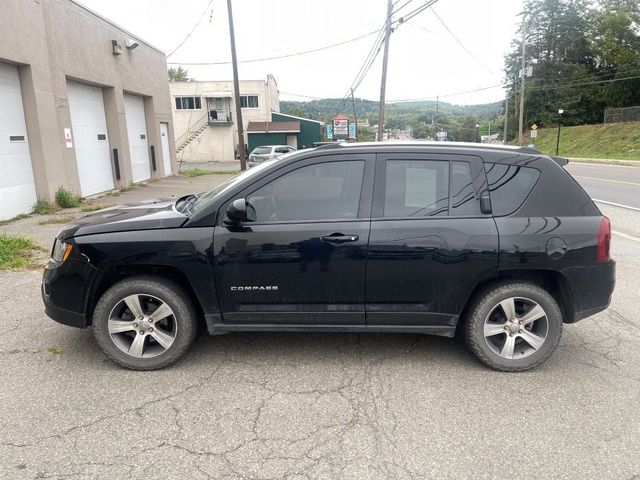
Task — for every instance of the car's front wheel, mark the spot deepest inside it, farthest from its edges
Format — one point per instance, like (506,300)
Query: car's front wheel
(513,326)
(144,323)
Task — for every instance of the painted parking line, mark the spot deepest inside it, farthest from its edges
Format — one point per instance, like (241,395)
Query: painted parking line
(629,207)
(609,180)
(626,235)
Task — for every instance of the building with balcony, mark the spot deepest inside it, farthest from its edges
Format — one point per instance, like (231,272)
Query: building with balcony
(204,116)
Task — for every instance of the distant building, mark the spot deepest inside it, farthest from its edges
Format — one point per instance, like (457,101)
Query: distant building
(284,129)
(204,116)
(84,105)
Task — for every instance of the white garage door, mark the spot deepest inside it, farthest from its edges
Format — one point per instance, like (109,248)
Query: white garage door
(137,133)
(17,190)
(89,125)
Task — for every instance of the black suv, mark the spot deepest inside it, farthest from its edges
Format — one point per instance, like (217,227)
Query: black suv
(498,242)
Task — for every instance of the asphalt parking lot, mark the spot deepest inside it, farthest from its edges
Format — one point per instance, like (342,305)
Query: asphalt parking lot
(321,406)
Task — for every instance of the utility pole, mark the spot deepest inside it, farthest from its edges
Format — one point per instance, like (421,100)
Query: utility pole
(524,75)
(383,84)
(506,117)
(355,113)
(437,113)
(236,90)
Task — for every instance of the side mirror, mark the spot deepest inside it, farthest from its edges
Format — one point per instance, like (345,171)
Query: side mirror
(485,203)
(240,211)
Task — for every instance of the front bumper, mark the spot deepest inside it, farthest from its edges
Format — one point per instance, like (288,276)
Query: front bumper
(60,315)
(65,291)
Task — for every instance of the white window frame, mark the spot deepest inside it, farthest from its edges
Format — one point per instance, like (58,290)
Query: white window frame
(246,99)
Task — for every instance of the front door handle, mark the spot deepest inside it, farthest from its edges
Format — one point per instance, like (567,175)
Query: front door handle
(339,238)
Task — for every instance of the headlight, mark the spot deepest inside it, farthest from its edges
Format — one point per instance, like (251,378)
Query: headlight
(61,251)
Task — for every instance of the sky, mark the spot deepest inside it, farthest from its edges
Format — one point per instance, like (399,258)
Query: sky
(425,59)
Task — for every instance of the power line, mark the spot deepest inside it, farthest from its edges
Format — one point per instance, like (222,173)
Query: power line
(368,61)
(288,55)
(400,7)
(536,88)
(415,12)
(405,100)
(459,42)
(193,29)
(377,45)
(571,85)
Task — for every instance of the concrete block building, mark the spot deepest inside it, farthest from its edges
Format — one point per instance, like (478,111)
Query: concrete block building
(204,116)
(84,105)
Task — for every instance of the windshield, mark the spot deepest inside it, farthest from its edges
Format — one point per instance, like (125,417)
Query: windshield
(204,198)
(261,150)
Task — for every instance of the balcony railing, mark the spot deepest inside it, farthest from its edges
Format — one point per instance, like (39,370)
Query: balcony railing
(220,117)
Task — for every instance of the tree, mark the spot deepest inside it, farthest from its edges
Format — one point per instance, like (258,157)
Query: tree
(178,75)
(575,45)
(615,38)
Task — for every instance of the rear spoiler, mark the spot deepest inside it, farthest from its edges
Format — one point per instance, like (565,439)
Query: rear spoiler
(560,160)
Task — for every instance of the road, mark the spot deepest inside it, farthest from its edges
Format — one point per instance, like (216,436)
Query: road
(328,406)
(612,183)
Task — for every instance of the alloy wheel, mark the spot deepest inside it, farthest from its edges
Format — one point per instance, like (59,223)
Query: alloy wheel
(516,328)
(142,326)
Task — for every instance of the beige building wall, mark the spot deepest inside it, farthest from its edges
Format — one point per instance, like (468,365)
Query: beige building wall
(218,141)
(52,41)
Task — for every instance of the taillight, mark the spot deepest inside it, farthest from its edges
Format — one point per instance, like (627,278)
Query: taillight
(604,240)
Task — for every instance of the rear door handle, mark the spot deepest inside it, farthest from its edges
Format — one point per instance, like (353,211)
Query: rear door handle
(339,238)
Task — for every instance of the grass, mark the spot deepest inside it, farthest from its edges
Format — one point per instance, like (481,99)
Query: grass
(17,252)
(130,187)
(55,351)
(198,172)
(93,208)
(57,219)
(67,199)
(617,141)
(195,172)
(42,207)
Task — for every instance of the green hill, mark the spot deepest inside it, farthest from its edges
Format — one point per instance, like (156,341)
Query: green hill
(611,140)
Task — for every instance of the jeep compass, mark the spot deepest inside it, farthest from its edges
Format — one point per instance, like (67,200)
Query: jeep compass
(498,243)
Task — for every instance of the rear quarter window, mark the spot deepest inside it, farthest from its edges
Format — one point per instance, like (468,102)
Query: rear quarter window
(509,186)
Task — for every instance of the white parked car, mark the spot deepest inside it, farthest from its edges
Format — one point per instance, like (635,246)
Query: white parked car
(268,152)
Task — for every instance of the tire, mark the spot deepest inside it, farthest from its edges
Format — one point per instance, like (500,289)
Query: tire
(499,323)
(140,342)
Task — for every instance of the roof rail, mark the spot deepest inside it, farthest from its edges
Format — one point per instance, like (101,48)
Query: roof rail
(329,146)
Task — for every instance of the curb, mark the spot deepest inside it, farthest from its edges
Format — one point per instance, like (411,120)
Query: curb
(605,161)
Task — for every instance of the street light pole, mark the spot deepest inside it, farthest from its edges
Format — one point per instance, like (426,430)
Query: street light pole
(560,112)
(477,133)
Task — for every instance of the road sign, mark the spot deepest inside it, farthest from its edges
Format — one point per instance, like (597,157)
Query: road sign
(534,134)
(534,127)
(341,127)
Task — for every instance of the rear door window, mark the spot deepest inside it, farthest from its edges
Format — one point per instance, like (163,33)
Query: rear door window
(463,197)
(509,186)
(416,188)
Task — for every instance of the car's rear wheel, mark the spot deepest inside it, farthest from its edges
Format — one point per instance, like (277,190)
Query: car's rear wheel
(144,323)
(513,326)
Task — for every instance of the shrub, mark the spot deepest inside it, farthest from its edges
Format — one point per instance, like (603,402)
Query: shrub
(67,199)
(43,207)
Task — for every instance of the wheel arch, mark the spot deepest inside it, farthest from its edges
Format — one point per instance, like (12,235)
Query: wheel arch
(552,281)
(116,273)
